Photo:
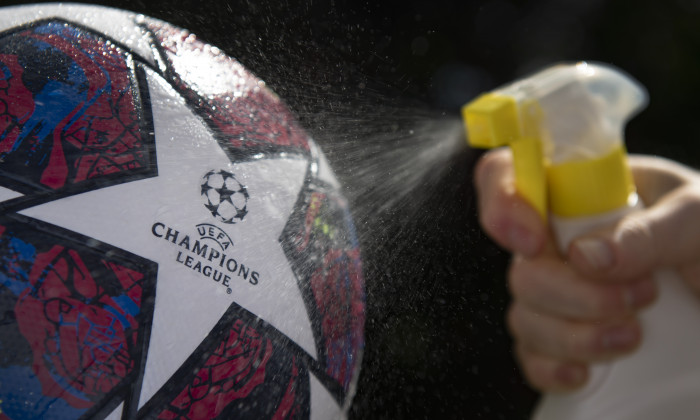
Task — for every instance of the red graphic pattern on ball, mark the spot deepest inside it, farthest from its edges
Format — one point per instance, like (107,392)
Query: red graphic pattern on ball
(16,102)
(246,115)
(76,343)
(67,108)
(337,289)
(236,368)
(321,244)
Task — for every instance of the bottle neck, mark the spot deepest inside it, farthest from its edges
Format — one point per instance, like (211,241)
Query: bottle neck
(590,187)
(566,229)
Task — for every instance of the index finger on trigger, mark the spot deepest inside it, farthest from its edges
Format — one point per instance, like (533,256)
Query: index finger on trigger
(503,213)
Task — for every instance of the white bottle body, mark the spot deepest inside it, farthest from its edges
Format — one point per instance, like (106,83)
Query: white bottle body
(662,378)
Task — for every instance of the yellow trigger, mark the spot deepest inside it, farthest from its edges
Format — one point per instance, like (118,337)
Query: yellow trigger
(494,120)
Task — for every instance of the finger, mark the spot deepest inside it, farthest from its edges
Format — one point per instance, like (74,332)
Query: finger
(549,285)
(551,375)
(666,234)
(655,176)
(568,340)
(504,215)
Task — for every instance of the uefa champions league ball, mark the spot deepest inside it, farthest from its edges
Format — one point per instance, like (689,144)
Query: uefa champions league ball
(173,245)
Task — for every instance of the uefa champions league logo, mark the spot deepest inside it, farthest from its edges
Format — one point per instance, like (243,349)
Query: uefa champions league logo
(207,252)
(225,197)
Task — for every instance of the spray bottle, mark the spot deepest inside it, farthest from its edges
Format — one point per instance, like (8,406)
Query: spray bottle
(565,127)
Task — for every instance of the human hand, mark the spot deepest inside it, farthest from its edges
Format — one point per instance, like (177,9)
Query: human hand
(570,311)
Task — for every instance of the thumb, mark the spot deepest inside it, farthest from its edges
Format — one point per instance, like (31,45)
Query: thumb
(664,235)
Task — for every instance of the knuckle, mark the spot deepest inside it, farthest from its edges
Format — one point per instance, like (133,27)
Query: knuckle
(492,205)
(607,302)
(513,318)
(595,342)
(578,343)
(489,220)
(516,275)
(570,344)
(540,372)
(635,229)
(637,238)
(692,193)
(489,163)
(537,377)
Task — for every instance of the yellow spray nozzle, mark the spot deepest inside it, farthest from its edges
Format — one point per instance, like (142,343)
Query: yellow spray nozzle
(495,120)
(576,114)
(492,121)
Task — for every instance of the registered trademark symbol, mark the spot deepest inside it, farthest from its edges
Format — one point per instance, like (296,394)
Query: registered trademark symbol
(229,290)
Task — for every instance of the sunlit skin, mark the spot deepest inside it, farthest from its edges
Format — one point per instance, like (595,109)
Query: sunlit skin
(571,310)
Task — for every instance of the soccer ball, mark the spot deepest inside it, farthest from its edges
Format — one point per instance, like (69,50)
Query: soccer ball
(172,244)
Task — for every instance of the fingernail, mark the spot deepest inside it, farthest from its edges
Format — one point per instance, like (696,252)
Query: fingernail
(597,253)
(523,241)
(570,375)
(619,338)
(640,294)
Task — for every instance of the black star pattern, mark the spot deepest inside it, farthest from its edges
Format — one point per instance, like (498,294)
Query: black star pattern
(225,195)
(205,188)
(214,209)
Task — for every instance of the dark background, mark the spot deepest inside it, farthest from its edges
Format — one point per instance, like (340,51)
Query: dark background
(362,76)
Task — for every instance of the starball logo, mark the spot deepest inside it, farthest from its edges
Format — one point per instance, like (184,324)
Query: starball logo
(209,251)
(224,196)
